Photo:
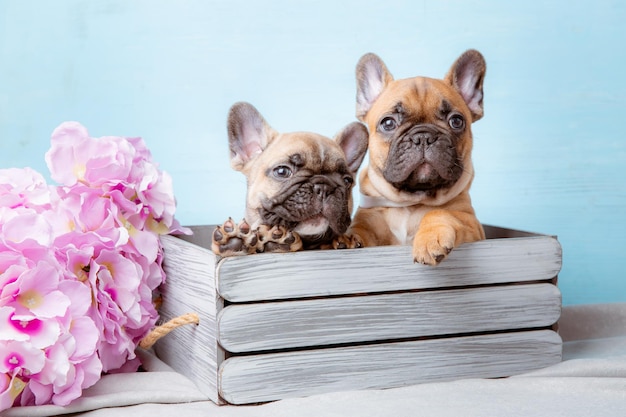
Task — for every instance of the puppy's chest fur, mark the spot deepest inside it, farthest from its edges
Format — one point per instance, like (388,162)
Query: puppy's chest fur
(403,222)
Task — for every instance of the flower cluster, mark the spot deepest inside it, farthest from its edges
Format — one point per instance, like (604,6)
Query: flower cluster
(79,263)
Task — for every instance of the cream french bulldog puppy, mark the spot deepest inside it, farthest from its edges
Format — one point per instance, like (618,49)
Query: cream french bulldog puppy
(415,189)
(299,185)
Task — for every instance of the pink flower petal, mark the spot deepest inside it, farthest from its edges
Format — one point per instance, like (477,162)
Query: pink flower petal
(80,296)
(62,159)
(84,330)
(22,355)
(41,333)
(9,330)
(27,226)
(10,389)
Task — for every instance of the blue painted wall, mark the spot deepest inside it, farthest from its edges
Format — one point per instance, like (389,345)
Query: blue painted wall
(549,153)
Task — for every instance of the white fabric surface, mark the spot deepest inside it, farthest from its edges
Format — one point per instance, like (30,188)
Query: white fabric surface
(591,381)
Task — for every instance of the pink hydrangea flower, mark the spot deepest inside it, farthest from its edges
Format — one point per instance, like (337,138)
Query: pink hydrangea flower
(79,263)
(37,308)
(75,157)
(24,188)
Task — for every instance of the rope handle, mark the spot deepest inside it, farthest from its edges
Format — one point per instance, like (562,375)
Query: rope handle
(162,330)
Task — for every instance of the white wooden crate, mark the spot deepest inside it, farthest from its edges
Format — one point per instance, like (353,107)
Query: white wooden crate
(274,326)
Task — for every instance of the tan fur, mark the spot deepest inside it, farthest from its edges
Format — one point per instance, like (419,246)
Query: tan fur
(435,222)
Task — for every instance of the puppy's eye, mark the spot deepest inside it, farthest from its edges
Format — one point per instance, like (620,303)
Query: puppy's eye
(282,172)
(456,122)
(388,124)
(348,180)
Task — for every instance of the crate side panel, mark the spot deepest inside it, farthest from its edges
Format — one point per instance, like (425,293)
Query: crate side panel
(385,268)
(257,378)
(190,287)
(316,322)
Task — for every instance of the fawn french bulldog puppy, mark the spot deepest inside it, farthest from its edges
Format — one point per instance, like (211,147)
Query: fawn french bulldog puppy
(299,185)
(415,189)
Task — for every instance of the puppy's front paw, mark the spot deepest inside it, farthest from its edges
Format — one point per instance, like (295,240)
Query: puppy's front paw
(431,246)
(345,242)
(230,239)
(277,239)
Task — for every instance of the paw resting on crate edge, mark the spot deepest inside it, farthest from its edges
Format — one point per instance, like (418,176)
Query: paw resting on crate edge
(231,239)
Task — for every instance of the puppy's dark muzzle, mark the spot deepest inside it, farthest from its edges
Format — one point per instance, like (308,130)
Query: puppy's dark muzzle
(303,199)
(325,186)
(422,158)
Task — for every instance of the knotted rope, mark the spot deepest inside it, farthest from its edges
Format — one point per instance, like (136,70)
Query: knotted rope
(160,331)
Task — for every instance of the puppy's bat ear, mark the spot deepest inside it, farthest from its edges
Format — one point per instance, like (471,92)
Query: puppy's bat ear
(466,76)
(248,134)
(372,76)
(353,140)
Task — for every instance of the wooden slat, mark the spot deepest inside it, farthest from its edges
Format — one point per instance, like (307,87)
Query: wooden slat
(290,324)
(386,268)
(190,287)
(496,232)
(258,378)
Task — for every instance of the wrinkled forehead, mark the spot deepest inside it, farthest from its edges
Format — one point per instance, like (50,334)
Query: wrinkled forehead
(310,150)
(420,97)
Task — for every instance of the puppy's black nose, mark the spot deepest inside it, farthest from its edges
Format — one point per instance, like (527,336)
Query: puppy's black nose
(423,138)
(321,190)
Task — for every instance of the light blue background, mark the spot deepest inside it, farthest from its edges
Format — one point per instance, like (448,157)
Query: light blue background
(549,153)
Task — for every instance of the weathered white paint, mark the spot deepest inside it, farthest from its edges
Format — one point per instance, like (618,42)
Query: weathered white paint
(190,287)
(256,378)
(388,268)
(325,321)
